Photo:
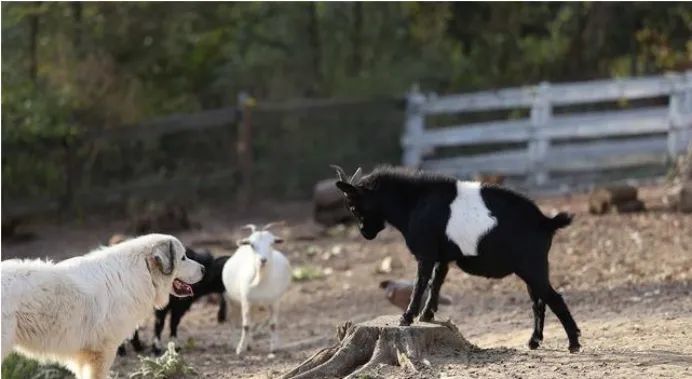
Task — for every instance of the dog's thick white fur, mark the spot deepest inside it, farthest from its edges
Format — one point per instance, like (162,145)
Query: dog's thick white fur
(78,311)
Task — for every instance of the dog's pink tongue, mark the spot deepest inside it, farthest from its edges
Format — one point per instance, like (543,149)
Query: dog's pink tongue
(181,288)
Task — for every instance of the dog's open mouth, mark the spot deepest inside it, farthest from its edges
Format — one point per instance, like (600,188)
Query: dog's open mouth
(182,289)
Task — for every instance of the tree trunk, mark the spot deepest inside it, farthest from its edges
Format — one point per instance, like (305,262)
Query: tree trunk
(315,47)
(77,25)
(357,37)
(372,345)
(33,43)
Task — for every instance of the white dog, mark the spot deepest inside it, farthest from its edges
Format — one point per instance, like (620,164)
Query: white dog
(78,311)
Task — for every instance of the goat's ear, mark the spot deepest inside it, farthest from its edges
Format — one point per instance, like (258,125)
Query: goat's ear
(244,241)
(278,240)
(347,188)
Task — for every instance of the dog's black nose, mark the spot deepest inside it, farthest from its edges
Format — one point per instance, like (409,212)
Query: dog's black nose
(263,260)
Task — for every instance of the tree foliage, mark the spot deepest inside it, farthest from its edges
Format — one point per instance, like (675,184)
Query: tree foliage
(67,67)
(112,63)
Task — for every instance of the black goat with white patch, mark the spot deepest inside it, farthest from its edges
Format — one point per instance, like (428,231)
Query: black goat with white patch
(487,230)
(178,306)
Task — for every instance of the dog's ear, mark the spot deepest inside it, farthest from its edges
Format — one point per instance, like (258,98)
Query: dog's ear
(164,258)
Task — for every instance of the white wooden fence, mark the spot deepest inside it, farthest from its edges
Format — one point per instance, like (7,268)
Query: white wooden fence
(563,142)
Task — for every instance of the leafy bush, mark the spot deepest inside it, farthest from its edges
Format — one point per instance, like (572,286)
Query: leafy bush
(17,367)
(306,273)
(168,366)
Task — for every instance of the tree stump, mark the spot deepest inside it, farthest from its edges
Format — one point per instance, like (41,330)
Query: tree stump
(382,342)
(329,208)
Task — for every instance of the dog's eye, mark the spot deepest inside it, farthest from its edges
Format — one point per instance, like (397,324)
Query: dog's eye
(183,258)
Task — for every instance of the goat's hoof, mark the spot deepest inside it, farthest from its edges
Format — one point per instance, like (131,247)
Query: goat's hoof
(138,347)
(534,344)
(574,347)
(155,350)
(426,317)
(405,321)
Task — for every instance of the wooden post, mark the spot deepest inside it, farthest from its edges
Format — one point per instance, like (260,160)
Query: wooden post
(675,105)
(686,122)
(541,112)
(413,128)
(244,149)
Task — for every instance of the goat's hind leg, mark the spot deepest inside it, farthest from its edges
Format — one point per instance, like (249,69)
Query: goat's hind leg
(438,279)
(540,285)
(538,319)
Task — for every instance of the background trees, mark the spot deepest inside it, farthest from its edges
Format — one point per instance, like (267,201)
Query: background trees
(68,67)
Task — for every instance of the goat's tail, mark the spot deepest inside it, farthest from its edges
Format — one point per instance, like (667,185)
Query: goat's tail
(560,220)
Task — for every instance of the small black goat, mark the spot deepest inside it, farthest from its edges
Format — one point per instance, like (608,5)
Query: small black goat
(487,230)
(178,306)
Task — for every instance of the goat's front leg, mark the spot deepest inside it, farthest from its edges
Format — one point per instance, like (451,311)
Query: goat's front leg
(245,335)
(221,315)
(425,269)
(273,321)
(439,276)
(160,314)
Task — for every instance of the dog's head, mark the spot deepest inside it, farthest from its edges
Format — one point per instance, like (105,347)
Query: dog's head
(170,267)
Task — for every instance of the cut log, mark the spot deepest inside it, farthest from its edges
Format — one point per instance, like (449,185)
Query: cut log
(160,218)
(329,208)
(398,292)
(602,200)
(630,206)
(369,346)
(493,179)
(326,194)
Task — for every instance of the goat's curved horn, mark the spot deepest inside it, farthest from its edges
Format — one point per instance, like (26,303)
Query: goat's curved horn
(273,224)
(357,176)
(340,172)
(252,227)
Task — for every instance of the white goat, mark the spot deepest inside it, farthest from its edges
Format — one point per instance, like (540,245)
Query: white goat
(257,274)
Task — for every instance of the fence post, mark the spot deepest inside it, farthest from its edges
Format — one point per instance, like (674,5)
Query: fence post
(675,105)
(244,148)
(413,128)
(541,112)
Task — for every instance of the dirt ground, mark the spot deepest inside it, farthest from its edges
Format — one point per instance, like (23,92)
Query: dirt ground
(626,278)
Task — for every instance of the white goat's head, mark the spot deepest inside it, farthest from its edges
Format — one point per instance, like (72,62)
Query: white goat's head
(261,242)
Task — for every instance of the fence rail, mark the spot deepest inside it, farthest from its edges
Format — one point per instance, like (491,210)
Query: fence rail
(615,135)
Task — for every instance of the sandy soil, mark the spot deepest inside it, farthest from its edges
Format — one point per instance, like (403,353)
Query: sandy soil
(626,278)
